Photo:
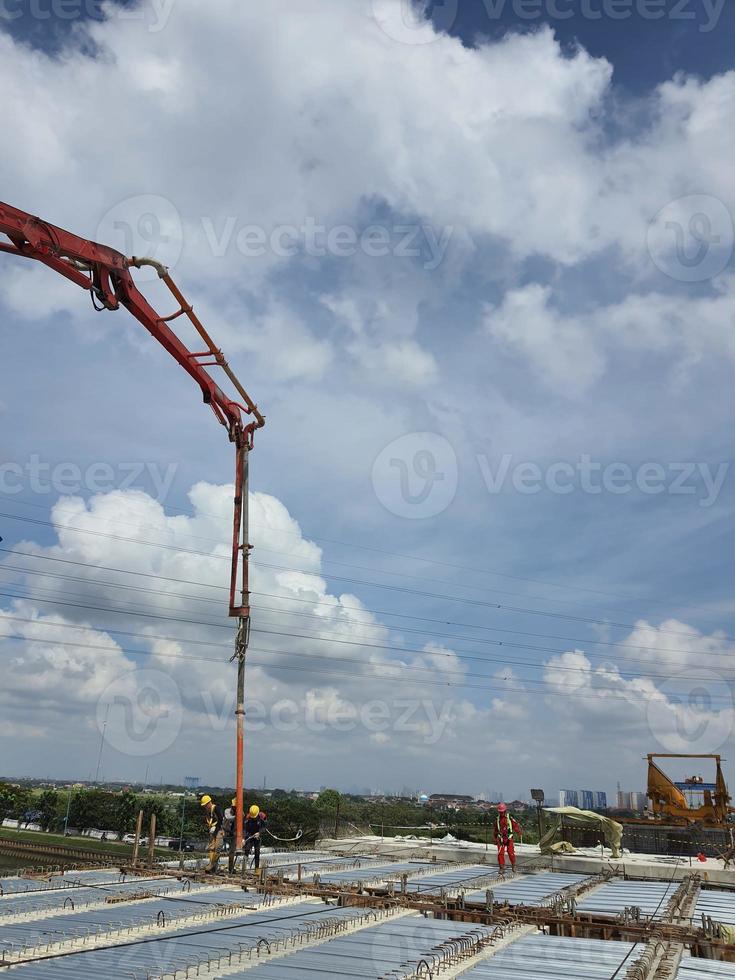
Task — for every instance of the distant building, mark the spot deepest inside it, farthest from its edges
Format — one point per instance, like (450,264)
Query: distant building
(583,799)
(637,802)
(450,800)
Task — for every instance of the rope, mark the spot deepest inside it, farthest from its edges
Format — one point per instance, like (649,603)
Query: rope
(285,840)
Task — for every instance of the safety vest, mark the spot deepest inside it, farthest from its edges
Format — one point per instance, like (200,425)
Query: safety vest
(213,819)
(510,835)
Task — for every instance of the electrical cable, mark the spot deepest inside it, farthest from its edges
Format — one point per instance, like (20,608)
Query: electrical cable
(19,637)
(268,664)
(381,551)
(376,585)
(459,653)
(333,605)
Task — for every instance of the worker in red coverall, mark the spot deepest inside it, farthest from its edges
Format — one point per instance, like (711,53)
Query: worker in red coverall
(506,827)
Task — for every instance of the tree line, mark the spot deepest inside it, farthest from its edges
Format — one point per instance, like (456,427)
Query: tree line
(288,813)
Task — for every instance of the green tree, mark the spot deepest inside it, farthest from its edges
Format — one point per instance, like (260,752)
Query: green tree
(328,801)
(126,812)
(9,796)
(22,803)
(89,808)
(48,809)
(165,815)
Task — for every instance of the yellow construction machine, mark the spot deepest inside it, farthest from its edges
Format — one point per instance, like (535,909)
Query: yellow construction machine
(676,803)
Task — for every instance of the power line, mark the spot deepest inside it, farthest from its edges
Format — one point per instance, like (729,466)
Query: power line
(504,689)
(331,605)
(323,636)
(361,644)
(273,551)
(376,585)
(367,642)
(391,554)
(326,637)
(387,665)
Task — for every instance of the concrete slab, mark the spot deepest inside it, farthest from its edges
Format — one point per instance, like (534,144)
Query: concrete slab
(584,861)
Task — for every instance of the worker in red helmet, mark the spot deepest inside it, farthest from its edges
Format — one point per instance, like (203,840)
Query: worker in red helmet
(506,827)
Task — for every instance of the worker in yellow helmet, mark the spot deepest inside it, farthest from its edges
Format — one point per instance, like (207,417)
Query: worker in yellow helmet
(229,827)
(254,827)
(214,816)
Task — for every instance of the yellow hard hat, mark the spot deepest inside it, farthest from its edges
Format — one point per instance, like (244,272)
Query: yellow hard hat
(205,799)
(234,802)
(254,811)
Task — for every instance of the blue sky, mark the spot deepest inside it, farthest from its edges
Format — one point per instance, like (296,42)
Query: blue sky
(478,274)
(647,43)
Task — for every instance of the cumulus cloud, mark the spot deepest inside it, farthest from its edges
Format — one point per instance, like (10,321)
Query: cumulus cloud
(418,138)
(571,351)
(509,145)
(669,690)
(144,654)
(506,143)
(560,349)
(122,627)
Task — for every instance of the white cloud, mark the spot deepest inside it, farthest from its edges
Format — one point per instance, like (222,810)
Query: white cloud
(225,119)
(337,700)
(571,352)
(673,692)
(363,118)
(176,639)
(560,350)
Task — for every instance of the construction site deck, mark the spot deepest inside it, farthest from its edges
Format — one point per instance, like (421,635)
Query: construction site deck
(352,909)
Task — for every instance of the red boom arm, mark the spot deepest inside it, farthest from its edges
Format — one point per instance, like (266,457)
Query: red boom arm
(106,274)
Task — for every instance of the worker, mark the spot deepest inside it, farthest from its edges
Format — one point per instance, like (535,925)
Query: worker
(254,826)
(228,828)
(214,815)
(506,827)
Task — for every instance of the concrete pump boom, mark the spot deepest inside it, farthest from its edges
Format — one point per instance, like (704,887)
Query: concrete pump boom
(105,274)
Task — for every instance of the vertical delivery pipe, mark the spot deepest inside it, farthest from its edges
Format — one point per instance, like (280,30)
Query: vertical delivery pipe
(241,532)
